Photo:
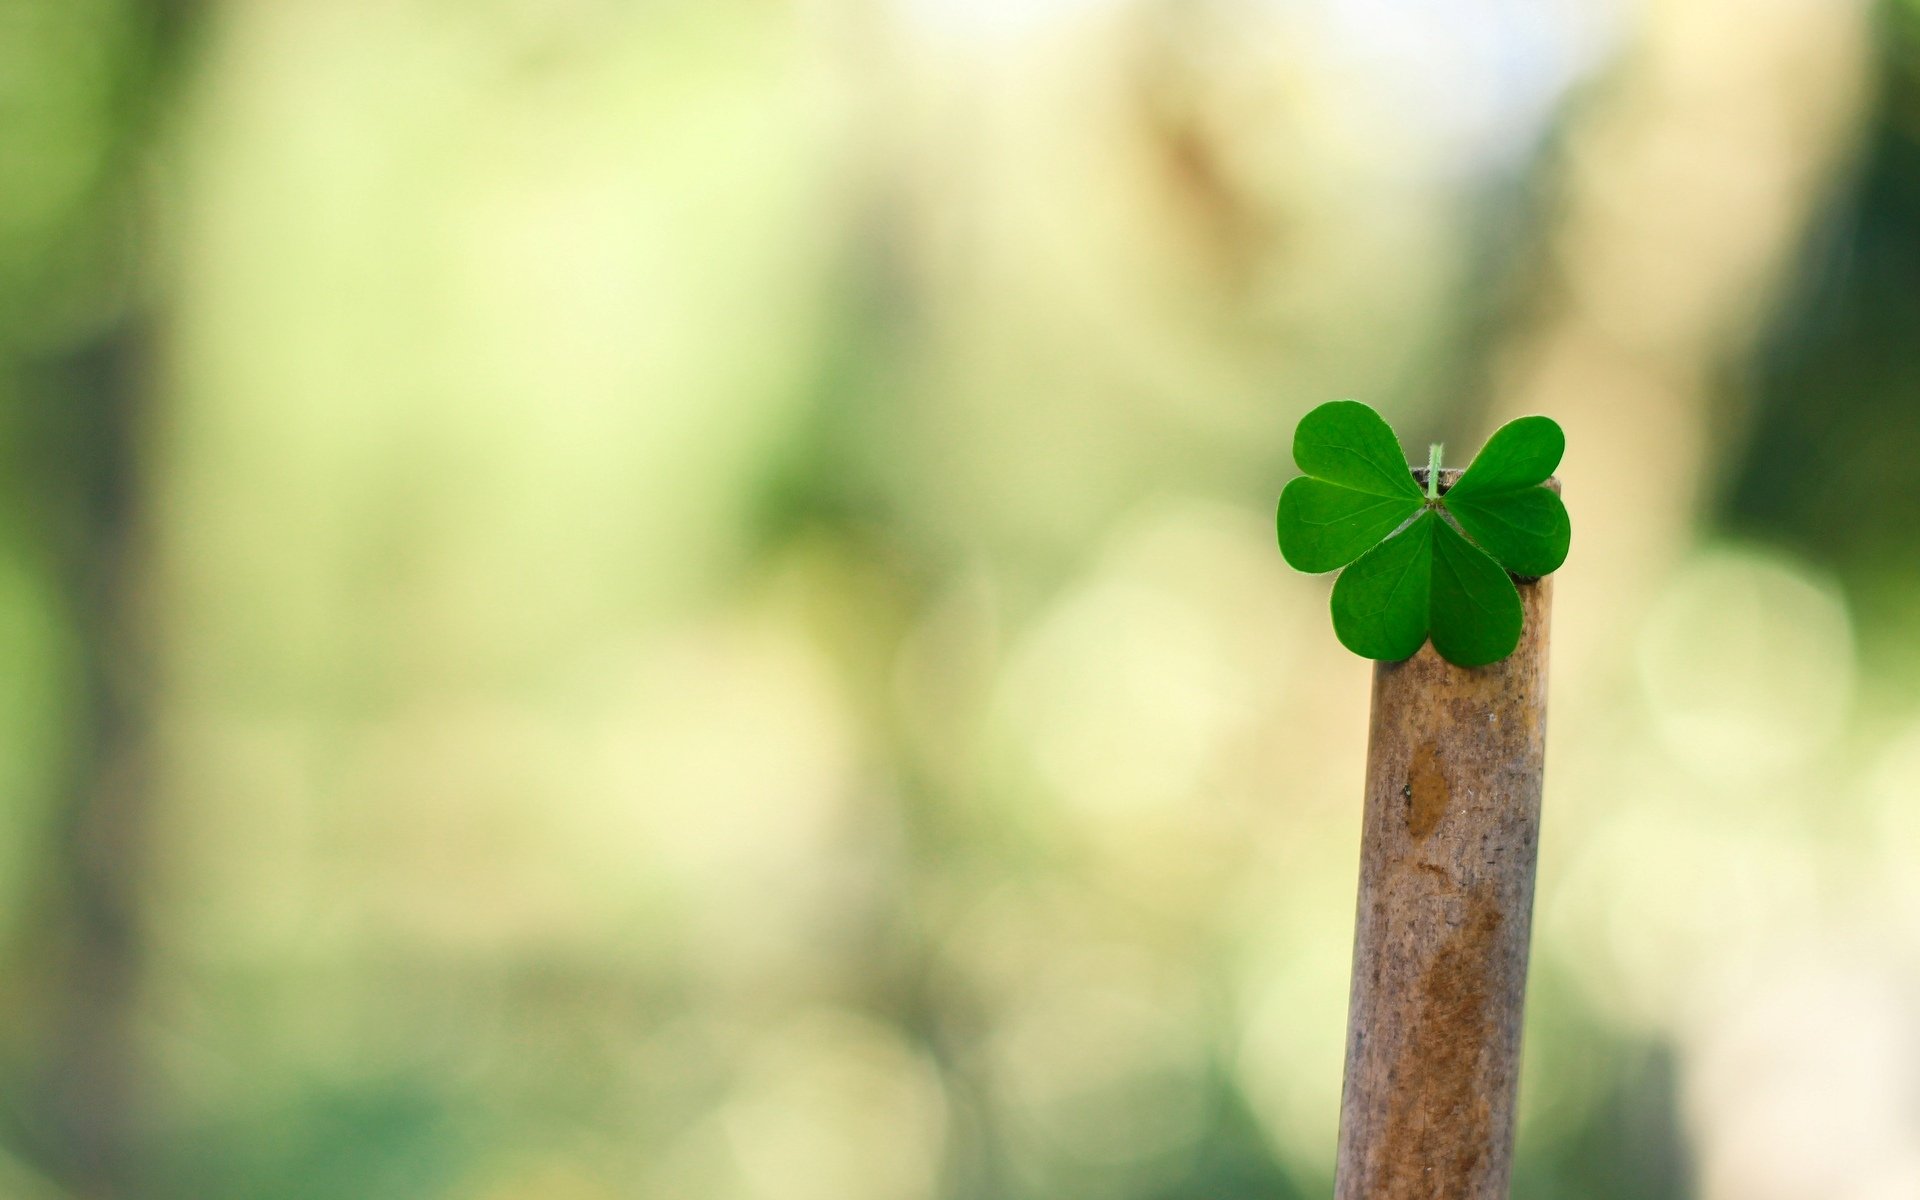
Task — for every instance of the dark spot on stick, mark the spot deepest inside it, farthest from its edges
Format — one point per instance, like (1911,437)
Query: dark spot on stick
(1427,792)
(1437,1127)
(1439,873)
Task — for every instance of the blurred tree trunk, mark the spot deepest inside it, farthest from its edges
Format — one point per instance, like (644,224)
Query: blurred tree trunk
(83,403)
(88,1055)
(1682,198)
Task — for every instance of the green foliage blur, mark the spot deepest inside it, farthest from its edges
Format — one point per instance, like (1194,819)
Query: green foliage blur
(607,599)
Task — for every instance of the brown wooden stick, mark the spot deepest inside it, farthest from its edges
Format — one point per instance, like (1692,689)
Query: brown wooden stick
(1448,845)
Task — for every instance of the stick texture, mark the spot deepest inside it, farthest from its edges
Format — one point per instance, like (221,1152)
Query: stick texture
(1448,846)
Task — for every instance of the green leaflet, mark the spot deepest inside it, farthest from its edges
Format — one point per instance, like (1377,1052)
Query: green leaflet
(1332,525)
(1474,612)
(1418,567)
(1347,443)
(1380,603)
(1519,454)
(1501,505)
(1526,530)
(1427,580)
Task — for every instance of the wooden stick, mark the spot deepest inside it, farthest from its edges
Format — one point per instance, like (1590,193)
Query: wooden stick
(1448,845)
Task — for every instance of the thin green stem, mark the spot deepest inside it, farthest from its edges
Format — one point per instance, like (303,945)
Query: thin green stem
(1433,470)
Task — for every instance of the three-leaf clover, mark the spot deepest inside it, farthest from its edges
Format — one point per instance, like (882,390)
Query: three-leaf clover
(1423,563)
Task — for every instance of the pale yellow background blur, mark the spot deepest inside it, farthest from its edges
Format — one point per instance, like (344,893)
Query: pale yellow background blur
(612,599)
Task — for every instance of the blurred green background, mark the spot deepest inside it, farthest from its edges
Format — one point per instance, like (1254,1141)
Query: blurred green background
(646,599)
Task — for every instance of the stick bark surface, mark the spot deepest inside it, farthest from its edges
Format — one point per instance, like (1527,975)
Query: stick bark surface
(1448,846)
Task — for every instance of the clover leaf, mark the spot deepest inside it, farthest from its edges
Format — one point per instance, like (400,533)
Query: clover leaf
(1419,564)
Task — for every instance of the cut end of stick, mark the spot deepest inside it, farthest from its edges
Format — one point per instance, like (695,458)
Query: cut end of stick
(1451,475)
